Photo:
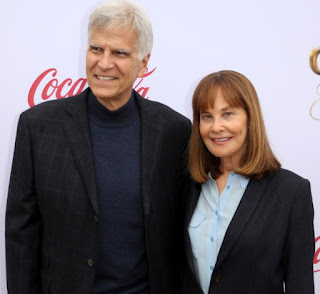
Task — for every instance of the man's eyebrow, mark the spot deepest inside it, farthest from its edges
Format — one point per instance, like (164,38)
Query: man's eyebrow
(93,45)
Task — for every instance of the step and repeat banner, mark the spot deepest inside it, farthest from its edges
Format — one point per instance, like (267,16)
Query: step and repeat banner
(276,44)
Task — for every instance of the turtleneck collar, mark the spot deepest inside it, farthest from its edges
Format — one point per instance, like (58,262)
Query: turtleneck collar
(122,117)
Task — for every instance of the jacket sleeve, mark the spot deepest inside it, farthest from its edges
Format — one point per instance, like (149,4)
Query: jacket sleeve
(299,246)
(23,222)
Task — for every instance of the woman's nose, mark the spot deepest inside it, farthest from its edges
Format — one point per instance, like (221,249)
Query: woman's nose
(217,126)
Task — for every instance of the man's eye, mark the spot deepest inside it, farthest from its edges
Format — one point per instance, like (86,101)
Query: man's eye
(95,49)
(122,52)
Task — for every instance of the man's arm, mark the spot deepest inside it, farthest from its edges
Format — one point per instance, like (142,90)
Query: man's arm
(23,219)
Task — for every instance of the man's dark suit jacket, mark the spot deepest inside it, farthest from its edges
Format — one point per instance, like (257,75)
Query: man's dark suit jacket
(270,240)
(52,220)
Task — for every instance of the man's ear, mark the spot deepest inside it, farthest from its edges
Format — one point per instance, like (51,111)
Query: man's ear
(143,66)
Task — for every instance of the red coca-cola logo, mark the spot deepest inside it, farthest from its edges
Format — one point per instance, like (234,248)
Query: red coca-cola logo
(47,85)
(143,91)
(316,259)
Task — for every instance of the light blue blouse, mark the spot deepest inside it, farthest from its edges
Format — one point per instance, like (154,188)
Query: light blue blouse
(210,222)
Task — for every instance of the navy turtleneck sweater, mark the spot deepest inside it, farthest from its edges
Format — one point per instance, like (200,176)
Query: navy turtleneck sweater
(115,138)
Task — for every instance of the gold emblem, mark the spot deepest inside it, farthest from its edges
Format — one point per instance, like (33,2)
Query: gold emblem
(315,68)
(314,60)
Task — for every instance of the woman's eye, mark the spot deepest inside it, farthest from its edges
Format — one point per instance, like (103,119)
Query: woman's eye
(206,116)
(227,113)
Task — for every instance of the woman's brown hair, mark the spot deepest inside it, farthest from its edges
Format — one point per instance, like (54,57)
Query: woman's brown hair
(238,91)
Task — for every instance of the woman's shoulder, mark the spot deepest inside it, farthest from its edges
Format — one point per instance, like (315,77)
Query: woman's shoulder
(287,175)
(287,182)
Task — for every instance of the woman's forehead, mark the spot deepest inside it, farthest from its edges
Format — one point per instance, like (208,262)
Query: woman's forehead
(218,99)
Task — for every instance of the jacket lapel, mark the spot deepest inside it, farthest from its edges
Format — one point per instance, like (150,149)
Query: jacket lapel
(76,128)
(242,216)
(150,135)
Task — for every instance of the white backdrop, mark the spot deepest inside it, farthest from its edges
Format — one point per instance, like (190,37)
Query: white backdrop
(269,41)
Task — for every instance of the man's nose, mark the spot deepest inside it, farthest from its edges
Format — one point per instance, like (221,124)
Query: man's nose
(106,61)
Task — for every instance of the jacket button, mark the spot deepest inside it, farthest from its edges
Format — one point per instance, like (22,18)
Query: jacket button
(218,278)
(96,219)
(90,262)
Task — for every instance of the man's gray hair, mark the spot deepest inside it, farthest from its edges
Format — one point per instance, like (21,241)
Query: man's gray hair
(114,14)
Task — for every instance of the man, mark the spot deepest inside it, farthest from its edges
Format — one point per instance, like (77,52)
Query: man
(93,204)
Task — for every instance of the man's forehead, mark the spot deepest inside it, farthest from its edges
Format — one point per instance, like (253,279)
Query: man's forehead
(114,29)
(126,34)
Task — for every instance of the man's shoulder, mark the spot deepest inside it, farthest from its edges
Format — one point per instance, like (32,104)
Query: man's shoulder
(169,113)
(55,107)
(162,112)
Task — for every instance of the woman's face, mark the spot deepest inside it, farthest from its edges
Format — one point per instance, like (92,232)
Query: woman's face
(223,130)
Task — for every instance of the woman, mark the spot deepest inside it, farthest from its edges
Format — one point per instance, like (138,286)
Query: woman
(249,223)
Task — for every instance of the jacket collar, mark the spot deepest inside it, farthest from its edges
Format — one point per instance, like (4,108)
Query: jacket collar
(244,212)
(150,131)
(77,132)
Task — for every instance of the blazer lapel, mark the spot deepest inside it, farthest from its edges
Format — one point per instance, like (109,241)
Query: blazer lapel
(242,216)
(192,200)
(77,132)
(150,135)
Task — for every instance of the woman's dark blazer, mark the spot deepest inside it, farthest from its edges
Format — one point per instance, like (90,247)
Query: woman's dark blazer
(270,240)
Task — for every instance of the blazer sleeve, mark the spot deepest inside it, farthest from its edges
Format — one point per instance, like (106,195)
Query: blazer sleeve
(299,246)
(23,222)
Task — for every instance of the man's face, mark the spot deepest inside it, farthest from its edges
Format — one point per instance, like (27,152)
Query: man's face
(112,65)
